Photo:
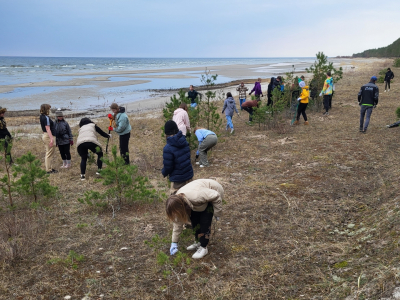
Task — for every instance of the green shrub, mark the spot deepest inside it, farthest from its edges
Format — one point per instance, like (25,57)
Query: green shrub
(396,63)
(398,113)
(381,78)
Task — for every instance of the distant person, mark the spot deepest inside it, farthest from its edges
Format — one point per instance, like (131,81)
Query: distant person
(87,140)
(249,107)
(197,202)
(229,109)
(327,93)
(301,78)
(192,95)
(242,89)
(313,89)
(64,139)
(48,137)
(123,129)
(207,139)
(281,84)
(181,118)
(388,78)
(257,89)
(269,91)
(5,134)
(301,110)
(368,97)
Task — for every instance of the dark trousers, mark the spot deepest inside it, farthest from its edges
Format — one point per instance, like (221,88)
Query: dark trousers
(65,151)
(83,150)
(270,102)
(365,109)
(387,85)
(201,223)
(6,150)
(301,110)
(250,111)
(327,102)
(124,146)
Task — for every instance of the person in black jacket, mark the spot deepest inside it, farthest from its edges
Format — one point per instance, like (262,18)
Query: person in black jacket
(368,97)
(192,95)
(269,91)
(176,157)
(388,77)
(64,139)
(4,133)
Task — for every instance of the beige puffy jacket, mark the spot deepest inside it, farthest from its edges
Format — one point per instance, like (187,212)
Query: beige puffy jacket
(197,195)
(87,133)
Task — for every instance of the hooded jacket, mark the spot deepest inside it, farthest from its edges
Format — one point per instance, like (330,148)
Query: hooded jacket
(176,159)
(256,89)
(368,94)
(198,194)
(181,118)
(328,86)
(305,94)
(389,76)
(229,107)
(63,132)
(122,122)
(275,84)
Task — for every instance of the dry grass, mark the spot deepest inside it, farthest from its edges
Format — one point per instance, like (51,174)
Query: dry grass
(287,230)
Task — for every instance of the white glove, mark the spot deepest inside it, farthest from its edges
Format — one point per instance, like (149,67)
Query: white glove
(298,99)
(320,94)
(174,248)
(109,136)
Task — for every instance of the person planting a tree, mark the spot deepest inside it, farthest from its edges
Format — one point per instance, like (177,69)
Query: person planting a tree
(122,128)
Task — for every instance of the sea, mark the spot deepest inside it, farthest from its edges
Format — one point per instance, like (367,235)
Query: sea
(17,73)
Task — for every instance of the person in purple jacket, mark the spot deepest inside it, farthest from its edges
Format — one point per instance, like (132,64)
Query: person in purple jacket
(257,90)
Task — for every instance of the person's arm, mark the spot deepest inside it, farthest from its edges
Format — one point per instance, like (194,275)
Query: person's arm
(376,96)
(254,88)
(223,108)
(186,121)
(235,108)
(215,198)
(123,123)
(71,137)
(8,133)
(326,85)
(168,161)
(392,75)
(50,135)
(101,132)
(238,88)
(200,139)
(360,96)
(393,125)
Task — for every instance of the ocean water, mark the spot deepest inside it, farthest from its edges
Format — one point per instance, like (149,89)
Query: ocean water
(25,70)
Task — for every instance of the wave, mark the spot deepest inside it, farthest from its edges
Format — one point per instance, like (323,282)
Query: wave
(68,66)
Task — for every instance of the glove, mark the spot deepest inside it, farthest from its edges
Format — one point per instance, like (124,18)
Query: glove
(109,136)
(217,218)
(320,94)
(110,116)
(71,142)
(298,99)
(173,249)
(374,106)
(110,128)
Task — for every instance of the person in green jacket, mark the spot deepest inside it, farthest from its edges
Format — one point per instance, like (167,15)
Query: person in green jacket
(122,128)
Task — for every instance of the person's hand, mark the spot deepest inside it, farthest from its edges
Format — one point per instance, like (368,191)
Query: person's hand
(110,128)
(110,116)
(71,142)
(320,94)
(262,95)
(217,219)
(109,136)
(388,126)
(298,99)
(174,248)
(51,143)
(374,106)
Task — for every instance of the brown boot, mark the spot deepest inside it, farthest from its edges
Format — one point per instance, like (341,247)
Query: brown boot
(296,122)
(306,123)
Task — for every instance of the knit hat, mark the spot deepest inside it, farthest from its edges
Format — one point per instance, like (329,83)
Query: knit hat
(2,110)
(59,113)
(302,84)
(170,128)
(114,106)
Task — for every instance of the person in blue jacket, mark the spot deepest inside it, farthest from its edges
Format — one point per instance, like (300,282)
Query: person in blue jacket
(123,129)
(176,157)
(207,139)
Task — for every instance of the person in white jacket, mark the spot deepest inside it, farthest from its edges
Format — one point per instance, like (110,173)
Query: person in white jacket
(181,118)
(196,202)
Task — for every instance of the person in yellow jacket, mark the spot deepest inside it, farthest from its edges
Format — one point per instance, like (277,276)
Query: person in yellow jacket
(301,109)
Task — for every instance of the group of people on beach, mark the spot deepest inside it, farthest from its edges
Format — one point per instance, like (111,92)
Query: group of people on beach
(191,202)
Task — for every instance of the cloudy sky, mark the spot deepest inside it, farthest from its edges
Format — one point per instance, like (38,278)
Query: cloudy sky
(194,28)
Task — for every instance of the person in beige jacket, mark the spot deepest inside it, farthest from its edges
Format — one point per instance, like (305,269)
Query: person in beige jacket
(87,140)
(196,202)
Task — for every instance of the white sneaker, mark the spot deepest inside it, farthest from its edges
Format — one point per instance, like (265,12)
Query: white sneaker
(83,177)
(197,162)
(200,253)
(232,131)
(193,247)
(385,91)
(98,172)
(388,90)
(201,166)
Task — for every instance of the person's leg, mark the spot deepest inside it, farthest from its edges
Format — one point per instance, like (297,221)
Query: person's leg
(330,101)
(62,153)
(96,149)
(304,111)
(49,152)
(209,142)
(386,85)
(205,225)
(124,147)
(195,220)
(83,153)
(68,155)
(326,103)
(7,151)
(362,115)
(299,108)
(229,122)
(251,114)
(369,112)
(241,101)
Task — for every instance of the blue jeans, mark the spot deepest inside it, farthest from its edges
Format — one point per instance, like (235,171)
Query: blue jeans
(241,101)
(193,105)
(229,122)
(365,109)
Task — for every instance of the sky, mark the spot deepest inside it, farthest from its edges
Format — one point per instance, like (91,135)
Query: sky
(194,28)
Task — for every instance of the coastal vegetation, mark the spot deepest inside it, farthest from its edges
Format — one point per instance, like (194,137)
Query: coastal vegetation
(393,50)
